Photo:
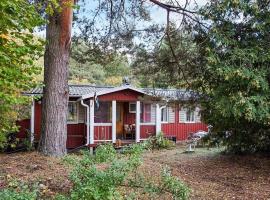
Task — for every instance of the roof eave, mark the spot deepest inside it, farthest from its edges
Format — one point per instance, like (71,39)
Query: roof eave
(116,89)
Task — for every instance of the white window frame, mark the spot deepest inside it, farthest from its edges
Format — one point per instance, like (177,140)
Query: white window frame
(77,114)
(104,123)
(132,111)
(191,111)
(167,113)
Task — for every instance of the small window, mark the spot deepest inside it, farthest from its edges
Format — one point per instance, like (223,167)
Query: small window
(132,107)
(190,117)
(164,114)
(72,112)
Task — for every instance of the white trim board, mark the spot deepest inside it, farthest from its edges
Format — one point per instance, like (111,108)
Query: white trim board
(111,90)
(102,124)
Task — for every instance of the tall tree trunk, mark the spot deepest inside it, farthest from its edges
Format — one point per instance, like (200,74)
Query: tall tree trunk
(55,92)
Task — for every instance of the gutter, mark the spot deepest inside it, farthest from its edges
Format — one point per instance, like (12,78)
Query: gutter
(87,120)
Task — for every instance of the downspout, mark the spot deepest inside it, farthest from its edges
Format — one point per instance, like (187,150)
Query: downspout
(87,121)
(32,122)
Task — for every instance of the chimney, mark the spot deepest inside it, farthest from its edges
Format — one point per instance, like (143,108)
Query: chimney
(125,81)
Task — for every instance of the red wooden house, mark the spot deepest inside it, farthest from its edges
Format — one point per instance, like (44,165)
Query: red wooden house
(97,114)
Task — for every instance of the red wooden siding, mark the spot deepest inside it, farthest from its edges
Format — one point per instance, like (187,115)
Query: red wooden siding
(76,133)
(24,126)
(181,130)
(147,130)
(124,95)
(103,133)
(37,126)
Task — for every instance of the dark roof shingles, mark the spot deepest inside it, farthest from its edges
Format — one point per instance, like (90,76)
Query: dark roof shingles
(170,94)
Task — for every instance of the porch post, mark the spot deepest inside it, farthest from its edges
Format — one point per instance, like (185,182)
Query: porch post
(158,119)
(113,121)
(138,121)
(32,125)
(92,114)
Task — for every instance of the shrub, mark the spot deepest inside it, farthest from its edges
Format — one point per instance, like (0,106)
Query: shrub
(94,179)
(105,152)
(101,176)
(159,142)
(19,191)
(173,185)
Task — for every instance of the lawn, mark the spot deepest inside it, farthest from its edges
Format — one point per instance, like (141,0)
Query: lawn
(208,173)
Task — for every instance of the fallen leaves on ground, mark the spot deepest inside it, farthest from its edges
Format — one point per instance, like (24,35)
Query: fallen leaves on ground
(212,175)
(208,173)
(32,167)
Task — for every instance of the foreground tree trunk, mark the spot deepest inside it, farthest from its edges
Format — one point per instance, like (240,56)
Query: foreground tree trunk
(55,92)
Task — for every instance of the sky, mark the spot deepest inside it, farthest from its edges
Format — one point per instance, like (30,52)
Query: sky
(157,14)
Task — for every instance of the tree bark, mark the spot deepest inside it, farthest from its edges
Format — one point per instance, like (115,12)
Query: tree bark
(55,90)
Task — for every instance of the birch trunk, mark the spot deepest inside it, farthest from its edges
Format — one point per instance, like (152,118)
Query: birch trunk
(55,91)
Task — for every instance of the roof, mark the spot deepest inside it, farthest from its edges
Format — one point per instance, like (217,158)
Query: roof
(74,90)
(88,91)
(172,94)
(110,90)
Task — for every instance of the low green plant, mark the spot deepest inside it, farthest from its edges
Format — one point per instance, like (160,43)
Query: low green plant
(173,185)
(159,142)
(100,177)
(168,185)
(105,152)
(19,191)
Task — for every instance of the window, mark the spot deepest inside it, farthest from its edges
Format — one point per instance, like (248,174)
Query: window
(103,112)
(164,114)
(190,117)
(132,107)
(72,112)
(146,113)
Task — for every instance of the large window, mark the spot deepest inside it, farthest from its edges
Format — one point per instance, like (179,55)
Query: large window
(72,112)
(103,112)
(190,117)
(164,114)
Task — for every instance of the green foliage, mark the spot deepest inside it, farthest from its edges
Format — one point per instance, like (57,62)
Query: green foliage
(173,185)
(19,191)
(94,179)
(168,64)
(89,65)
(18,49)
(235,76)
(105,153)
(104,177)
(159,142)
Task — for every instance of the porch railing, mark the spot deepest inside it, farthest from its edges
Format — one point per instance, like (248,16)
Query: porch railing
(103,132)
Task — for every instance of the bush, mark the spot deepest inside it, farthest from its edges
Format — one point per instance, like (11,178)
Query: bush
(173,185)
(19,191)
(105,152)
(104,176)
(94,178)
(159,142)
(13,142)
